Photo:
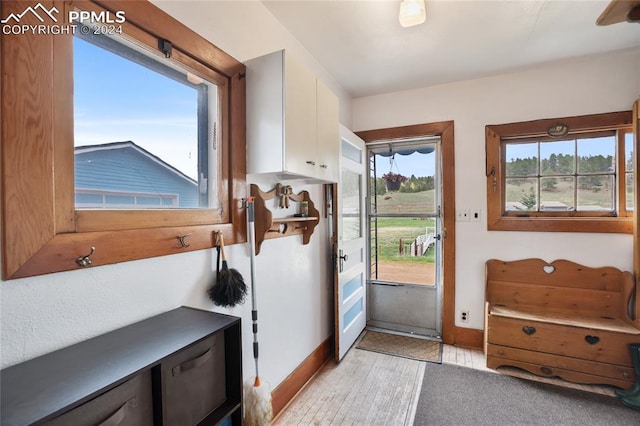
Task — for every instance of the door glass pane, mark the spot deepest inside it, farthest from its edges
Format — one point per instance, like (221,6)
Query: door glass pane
(351,227)
(352,313)
(405,250)
(403,179)
(351,287)
(628,150)
(351,152)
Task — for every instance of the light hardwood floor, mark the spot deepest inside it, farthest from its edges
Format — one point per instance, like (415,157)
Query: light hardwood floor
(368,388)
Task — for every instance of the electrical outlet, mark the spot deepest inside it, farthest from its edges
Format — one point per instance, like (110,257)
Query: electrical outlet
(475,216)
(464,316)
(464,215)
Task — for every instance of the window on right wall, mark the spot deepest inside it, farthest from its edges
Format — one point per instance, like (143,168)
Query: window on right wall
(571,174)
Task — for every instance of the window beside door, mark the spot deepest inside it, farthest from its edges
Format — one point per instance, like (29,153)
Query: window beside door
(580,180)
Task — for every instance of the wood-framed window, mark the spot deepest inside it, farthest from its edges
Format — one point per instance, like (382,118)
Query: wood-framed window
(570,174)
(44,226)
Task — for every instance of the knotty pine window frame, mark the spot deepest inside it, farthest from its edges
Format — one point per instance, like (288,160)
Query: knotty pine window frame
(499,219)
(42,232)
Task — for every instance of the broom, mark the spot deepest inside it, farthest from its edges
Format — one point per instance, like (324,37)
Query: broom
(257,395)
(229,288)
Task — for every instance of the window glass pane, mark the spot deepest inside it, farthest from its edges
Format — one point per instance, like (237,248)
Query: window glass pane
(351,208)
(630,194)
(142,126)
(557,194)
(597,155)
(596,192)
(521,159)
(628,150)
(521,194)
(557,158)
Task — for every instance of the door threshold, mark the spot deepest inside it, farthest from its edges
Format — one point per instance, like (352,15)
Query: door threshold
(408,331)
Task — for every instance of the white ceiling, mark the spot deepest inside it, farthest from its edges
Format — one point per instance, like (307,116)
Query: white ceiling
(361,43)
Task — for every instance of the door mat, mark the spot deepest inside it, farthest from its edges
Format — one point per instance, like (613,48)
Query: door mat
(403,346)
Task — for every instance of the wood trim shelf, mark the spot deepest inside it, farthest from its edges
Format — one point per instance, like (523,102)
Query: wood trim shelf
(268,227)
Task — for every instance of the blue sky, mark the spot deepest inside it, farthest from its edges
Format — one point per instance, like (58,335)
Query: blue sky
(407,165)
(117,100)
(593,146)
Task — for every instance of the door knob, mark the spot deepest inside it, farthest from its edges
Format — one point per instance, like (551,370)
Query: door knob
(343,258)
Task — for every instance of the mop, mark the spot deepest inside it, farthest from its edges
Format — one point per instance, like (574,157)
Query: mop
(257,395)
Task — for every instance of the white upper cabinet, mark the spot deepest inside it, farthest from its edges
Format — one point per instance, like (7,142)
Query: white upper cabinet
(328,144)
(292,121)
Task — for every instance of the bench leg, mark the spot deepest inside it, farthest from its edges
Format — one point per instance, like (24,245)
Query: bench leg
(631,397)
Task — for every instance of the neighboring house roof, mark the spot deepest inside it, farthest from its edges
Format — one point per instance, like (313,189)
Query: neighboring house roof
(126,167)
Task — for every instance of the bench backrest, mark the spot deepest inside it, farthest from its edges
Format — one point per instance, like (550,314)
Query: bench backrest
(559,285)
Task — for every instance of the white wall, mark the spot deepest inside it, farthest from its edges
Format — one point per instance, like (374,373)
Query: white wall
(605,83)
(41,314)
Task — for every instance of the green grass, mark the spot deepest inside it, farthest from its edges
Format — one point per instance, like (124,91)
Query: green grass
(406,202)
(391,230)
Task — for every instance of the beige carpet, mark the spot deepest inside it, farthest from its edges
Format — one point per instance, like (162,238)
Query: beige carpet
(403,346)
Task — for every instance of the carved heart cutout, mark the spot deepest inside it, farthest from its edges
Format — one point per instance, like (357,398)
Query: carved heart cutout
(592,340)
(528,330)
(283,228)
(549,269)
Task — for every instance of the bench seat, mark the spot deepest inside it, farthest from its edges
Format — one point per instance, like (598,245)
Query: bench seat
(560,319)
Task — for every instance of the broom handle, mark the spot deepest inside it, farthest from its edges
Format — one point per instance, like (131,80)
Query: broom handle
(221,242)
(252,248)
(254,303)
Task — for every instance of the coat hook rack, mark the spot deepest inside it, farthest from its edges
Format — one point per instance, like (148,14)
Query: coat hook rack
(268,227)
(85,261)
(181,239)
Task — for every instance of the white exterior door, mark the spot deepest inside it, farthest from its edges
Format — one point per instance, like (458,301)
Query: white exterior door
(350,285)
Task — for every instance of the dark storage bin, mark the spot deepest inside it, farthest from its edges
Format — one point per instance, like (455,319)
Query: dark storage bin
(129,404)
(193,382)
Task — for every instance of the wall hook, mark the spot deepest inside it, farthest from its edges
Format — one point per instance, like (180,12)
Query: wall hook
(85,261)
(181,238)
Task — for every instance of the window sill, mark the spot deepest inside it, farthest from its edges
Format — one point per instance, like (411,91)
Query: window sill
(620,225)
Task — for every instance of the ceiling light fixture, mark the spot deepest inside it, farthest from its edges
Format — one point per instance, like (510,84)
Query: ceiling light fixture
(412,12)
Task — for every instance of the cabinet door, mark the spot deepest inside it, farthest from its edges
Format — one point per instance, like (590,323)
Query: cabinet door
(328,137)
(300,119)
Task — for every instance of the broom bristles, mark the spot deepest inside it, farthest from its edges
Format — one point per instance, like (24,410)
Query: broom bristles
(257,404)
(256,382)
(229,289)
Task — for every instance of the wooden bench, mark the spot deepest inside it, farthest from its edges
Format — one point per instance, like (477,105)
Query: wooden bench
(561,319)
